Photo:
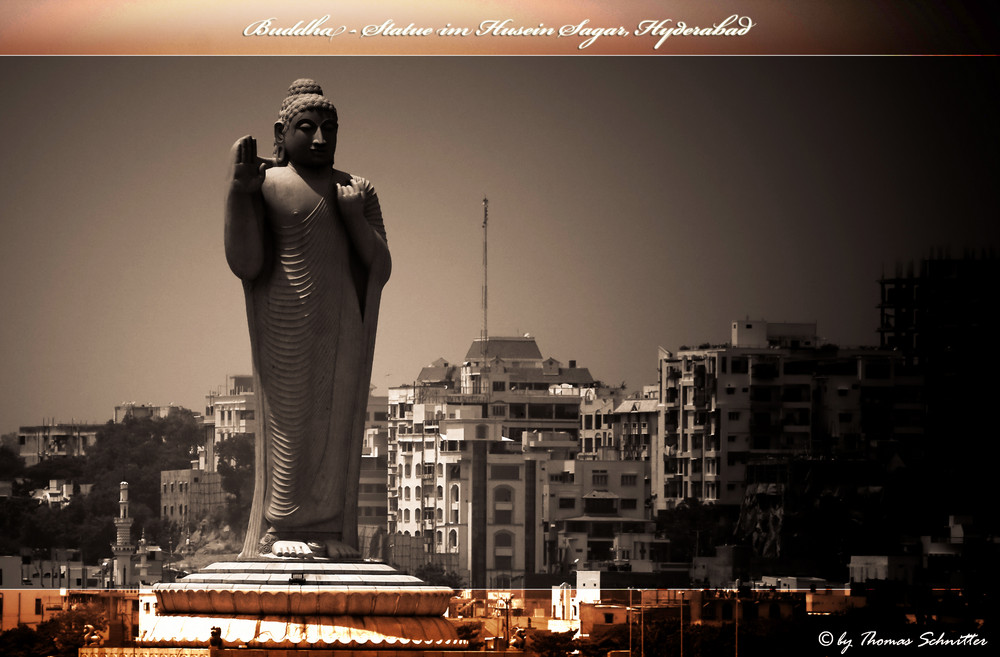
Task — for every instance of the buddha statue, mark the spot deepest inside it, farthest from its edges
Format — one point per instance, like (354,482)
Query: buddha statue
(308,243)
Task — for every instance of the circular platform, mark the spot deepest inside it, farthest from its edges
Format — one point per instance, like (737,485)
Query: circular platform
(281,603)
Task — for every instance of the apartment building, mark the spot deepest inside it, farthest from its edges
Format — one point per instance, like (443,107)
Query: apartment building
(467,448)
(772,394)
(228,411)
(373,489)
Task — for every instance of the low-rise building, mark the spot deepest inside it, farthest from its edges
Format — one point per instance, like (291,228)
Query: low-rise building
(228,412)
(39,442)
(188,496)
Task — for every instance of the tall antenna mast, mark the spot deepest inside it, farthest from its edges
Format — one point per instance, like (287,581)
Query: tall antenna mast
(485,334)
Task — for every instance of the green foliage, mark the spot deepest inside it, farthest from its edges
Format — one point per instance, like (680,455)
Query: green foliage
(551,644)
(11,464)
(471,632)
(236,465)
(22,641)
(601,643)
(134,451)
(60,636)
(68,629)
(435,575)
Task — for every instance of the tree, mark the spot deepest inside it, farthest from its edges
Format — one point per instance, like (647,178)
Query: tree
(134,451)
(236,464)
(552,644)
(435,575)
(61,636)
(67,630)
(11,463)
(22,641)
(471,632)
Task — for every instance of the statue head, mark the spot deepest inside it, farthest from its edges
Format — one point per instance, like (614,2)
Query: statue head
(306,130)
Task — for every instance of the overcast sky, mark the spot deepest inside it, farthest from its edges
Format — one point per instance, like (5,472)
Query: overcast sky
(634,202)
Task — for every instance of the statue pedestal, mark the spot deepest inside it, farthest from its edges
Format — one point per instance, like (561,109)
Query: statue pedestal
(286,604)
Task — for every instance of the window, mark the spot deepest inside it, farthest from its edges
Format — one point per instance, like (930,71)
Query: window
(503,505)
(629,479)
(498,410)
(540,411)
(505,472)
(503,550)
(567,503)
(734,415)
(566,411)
(599,478)
(499,386)
(629,504)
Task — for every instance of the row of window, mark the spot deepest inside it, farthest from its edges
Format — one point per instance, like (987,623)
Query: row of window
(228,416)
(428,514)
(404,492)
(601,505)
(179,487)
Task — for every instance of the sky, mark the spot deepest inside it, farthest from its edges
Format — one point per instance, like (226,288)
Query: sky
(634,202)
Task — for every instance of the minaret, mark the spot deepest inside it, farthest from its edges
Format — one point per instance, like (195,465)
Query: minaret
(122,549)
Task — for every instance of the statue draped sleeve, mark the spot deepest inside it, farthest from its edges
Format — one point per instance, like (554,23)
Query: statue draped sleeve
(312,314)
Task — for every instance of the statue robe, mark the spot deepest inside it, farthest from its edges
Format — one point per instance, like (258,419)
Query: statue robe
(312,314)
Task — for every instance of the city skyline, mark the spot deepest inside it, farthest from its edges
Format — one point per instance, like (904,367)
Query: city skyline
(634,202)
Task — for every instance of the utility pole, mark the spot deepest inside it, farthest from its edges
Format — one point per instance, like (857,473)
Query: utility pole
(682,624)
(628,613)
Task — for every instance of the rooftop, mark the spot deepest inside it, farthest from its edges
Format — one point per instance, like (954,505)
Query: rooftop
(510,348)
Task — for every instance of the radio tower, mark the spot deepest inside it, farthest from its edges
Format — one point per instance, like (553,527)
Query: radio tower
(485,333)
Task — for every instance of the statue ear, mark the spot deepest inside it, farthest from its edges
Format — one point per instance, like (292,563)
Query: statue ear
(280,156)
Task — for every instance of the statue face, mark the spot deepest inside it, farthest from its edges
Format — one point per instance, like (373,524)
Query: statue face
(311,139)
